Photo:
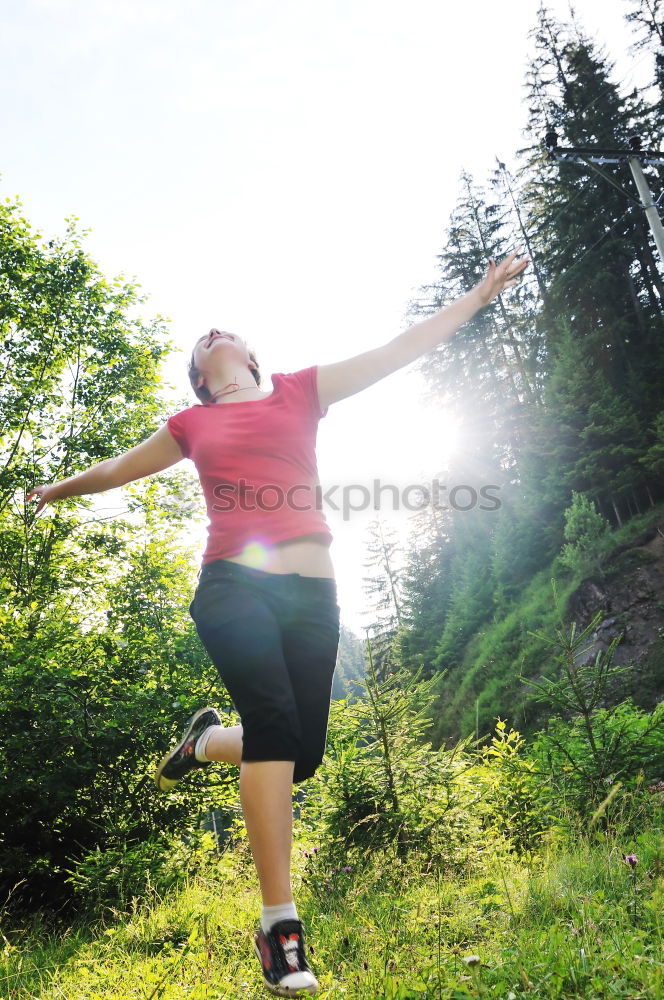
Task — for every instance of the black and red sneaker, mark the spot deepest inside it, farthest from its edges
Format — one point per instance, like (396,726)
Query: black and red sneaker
(182,759)
(281,954)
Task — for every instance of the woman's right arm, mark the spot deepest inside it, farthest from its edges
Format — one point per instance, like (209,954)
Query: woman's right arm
(157,453)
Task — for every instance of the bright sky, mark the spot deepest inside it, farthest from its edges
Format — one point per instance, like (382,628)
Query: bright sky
(282,169)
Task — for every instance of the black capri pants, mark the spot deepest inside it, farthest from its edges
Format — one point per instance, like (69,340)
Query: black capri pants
(273,638)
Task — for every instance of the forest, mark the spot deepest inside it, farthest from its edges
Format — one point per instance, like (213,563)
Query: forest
(488,817)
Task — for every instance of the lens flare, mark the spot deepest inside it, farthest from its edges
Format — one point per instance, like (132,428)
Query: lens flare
(255,555)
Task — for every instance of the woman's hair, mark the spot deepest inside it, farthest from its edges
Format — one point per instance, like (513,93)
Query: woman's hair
(202,392)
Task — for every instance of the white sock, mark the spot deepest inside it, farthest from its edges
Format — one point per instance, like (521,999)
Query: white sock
(271,914)
(201,743)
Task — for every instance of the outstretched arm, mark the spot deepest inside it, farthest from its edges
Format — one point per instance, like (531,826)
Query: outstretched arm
(345,378)
(155,454)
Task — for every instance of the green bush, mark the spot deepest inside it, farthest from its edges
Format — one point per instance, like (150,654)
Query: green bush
(113,878)
(618,754)
(384,787)
(517,802)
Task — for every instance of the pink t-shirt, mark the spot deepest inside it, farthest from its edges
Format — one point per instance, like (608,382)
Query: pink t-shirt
(256,461)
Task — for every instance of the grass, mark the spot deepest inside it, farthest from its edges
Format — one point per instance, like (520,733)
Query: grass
(575,921)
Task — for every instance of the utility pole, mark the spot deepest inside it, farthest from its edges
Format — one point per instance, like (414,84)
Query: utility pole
(635,157)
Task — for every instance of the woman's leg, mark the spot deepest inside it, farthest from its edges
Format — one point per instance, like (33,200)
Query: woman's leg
(225,744)
(266,796)
(243,637)
(267,804)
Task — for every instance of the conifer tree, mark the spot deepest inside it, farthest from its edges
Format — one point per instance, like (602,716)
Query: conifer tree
(382,588)
(426,587)
(647,19)
(588,229)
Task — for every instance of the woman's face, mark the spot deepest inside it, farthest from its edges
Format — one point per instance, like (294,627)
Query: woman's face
(219,348)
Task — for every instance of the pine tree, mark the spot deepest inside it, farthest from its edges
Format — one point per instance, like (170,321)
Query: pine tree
(350,667)
(588,230)
(647,17)
(383,591)
(426,588)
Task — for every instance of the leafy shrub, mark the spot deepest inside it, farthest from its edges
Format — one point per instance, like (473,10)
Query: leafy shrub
(620,748)
(517,802)
(383,787)
(114,877)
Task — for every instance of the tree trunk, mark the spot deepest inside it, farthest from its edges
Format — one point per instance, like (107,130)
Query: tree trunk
(616,512)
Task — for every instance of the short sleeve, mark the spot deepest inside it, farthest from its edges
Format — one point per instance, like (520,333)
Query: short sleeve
(177,425)
(307,382)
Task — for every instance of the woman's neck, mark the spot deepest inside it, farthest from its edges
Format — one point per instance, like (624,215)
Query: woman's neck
(225,385)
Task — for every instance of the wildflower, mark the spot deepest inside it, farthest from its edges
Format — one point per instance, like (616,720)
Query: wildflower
(306,854)
(631,860)
(609,781)
(315,850)
(472,960)
(347,868)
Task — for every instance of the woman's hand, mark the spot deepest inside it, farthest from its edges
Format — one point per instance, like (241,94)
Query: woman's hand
(45,494)
(500,276)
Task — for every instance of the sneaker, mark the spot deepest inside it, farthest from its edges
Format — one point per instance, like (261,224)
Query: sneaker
(281,954)
(182,759)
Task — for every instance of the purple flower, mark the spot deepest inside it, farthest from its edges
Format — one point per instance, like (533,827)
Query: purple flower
(315,850)
(347,868)
(631,860)
(609,781)
(306,854)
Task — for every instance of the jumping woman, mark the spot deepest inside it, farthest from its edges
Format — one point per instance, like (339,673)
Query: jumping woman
(265,606)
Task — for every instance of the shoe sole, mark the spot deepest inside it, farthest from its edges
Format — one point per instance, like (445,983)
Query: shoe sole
(283,991)
(165,784)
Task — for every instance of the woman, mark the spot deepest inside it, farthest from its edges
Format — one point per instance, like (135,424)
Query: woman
(265,605)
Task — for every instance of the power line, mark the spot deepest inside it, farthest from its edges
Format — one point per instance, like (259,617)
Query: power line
(635,157)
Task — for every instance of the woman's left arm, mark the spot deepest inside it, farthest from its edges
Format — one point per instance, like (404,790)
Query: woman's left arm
(345,378)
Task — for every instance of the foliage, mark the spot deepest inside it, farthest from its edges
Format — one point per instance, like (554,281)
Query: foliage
(100,661)
(517,802)
(563,926)
(653,460)
(591,746)
(350,664)
(606,766)
(587,535)
(382,784)
(115,877)
(382,587)
(556,390)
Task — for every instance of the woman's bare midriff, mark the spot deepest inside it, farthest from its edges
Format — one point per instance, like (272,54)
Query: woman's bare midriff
(305,555)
